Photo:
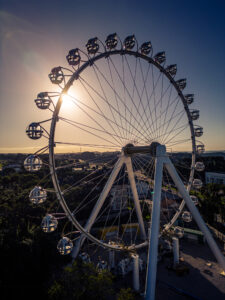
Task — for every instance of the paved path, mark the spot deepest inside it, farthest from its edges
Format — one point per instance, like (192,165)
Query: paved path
(203,281)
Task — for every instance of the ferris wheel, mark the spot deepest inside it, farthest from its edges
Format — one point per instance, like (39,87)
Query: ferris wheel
(122,105)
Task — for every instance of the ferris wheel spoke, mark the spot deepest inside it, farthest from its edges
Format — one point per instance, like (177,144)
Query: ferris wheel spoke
(169,201)
(181,174)
(147,107)
(138,94)
(123,98)
(154,96)
(153,121)
(118,217)
(73,123)
(138,166)
(157,117)
(89,145)
(174,143)
(144,159)
(90,178)
(80,125)
(132,101)
(167,122)
(168,105)
(109,208)
(146,164)
(147,170)
(105,99)
(141,135)
(184,127)
(86,203)
(81,182)
(160,110)
(42,150)
(100,112)
(153,103)
(76,101)
(124,92)
(171,117)
(132,104)
(115,92)
(115,96)
(124,102)
(152,92)
(145,192)
(148,104)
(127,226)
(144,89)
(180,115)
(172,131)
(133,87)
(64,166)
(109,123)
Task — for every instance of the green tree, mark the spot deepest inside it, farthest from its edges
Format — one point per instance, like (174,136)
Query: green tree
(82,281)
(126,294)
(212,201)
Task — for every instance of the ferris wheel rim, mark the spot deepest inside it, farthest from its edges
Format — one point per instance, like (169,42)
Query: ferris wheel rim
(56,111)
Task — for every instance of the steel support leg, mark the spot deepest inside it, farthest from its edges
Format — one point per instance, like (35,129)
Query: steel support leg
(154,233)
(135,195)
(201,224)
(136,280)
(98,206)
(175,251)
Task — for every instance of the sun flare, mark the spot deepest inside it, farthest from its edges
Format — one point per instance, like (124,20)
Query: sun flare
(68,102)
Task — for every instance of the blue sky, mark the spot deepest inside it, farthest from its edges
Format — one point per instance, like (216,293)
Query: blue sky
(36,36)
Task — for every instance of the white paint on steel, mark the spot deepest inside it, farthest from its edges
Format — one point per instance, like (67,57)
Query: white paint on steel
(195,213)
(155,220)
(98,205)
(135,196)
(175,251)
(136,281)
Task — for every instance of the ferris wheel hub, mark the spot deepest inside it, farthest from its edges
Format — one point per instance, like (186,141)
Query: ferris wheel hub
(130,149)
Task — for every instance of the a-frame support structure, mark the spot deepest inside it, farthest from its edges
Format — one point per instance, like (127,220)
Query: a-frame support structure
(161,160)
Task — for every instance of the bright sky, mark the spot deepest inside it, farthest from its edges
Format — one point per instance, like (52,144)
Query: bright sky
(37,35)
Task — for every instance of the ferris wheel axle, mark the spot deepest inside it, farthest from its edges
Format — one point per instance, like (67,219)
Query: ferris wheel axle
(130,149)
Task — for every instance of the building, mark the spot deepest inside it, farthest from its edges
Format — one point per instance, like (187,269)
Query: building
(120,194)
(212,177)
(214,154)
(15,167)
(143,190)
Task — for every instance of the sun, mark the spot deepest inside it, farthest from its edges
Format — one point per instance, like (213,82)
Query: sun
(68,101)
